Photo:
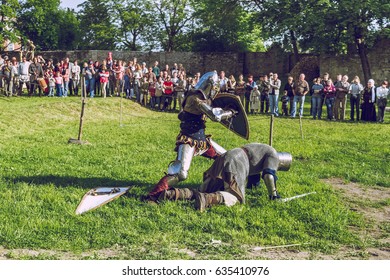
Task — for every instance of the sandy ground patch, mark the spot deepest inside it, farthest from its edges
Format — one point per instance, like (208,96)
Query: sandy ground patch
(104,254)
(360,199)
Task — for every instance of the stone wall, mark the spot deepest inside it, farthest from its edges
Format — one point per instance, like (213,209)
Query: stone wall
(379,58)
(275,60)
(231,63)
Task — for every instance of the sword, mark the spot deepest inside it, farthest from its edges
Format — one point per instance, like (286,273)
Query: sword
(295,197)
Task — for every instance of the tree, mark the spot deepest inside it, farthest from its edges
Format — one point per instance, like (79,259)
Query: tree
(69,30)
(97,28)
(283,20)
(174,16)
(362,20)
(48,26)
(324,25)
(35,20)
(134,22)
(224,25)
(347,26)
(8,29)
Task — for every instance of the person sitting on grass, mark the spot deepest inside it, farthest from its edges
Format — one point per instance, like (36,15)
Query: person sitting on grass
(225,181)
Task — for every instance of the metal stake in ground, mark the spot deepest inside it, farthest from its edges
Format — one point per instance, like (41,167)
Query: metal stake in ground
(83,102)
(121,109)
(120,117)
(300,125)
(271,130)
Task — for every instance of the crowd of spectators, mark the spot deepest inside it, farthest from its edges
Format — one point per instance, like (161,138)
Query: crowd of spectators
(164,88)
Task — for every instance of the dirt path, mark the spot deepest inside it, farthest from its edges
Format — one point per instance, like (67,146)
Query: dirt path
(104,254)
(370,201)
(362,199)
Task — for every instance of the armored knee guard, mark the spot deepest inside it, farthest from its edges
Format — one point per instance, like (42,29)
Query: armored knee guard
(181,165)
(177,171)
(269,177)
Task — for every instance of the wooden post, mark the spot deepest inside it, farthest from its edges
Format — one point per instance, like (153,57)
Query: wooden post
(271,130)
(83,102)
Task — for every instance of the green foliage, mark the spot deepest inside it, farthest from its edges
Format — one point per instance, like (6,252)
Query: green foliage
(171,20)
(97,27)
(35,21)
(340,23)
(48,26)
(134,22)
(69,33)
(322,26)
(225,26)
(278,20)
(8,30)
(186,25)
(42,179)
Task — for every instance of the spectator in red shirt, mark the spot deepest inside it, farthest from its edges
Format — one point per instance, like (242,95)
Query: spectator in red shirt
(167,93)
(330,95)
(104,74)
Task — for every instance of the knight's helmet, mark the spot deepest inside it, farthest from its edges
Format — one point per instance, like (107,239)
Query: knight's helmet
(285,160)
(208,84)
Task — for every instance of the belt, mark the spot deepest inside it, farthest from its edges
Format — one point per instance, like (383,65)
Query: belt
(246,152)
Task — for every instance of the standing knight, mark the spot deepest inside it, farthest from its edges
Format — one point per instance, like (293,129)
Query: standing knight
(192,140)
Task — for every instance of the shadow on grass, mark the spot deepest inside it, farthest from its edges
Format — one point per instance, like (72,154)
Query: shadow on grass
(69,181)
(88,183)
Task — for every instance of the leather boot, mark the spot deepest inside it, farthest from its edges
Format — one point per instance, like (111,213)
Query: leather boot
(164,184)
(276,196)
(205,200)
(176,194)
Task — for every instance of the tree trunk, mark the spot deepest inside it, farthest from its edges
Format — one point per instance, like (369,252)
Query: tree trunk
(295,47)
(363,57)
(170,43)
(134,45)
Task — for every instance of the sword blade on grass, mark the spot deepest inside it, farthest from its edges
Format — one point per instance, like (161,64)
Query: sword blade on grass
(297,196)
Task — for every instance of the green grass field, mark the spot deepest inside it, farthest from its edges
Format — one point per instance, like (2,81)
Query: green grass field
(42,179)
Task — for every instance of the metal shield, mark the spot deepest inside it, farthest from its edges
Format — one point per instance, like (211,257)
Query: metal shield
(97,197)
(239,123)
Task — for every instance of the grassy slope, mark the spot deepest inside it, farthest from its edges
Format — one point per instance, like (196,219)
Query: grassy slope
(42,179)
